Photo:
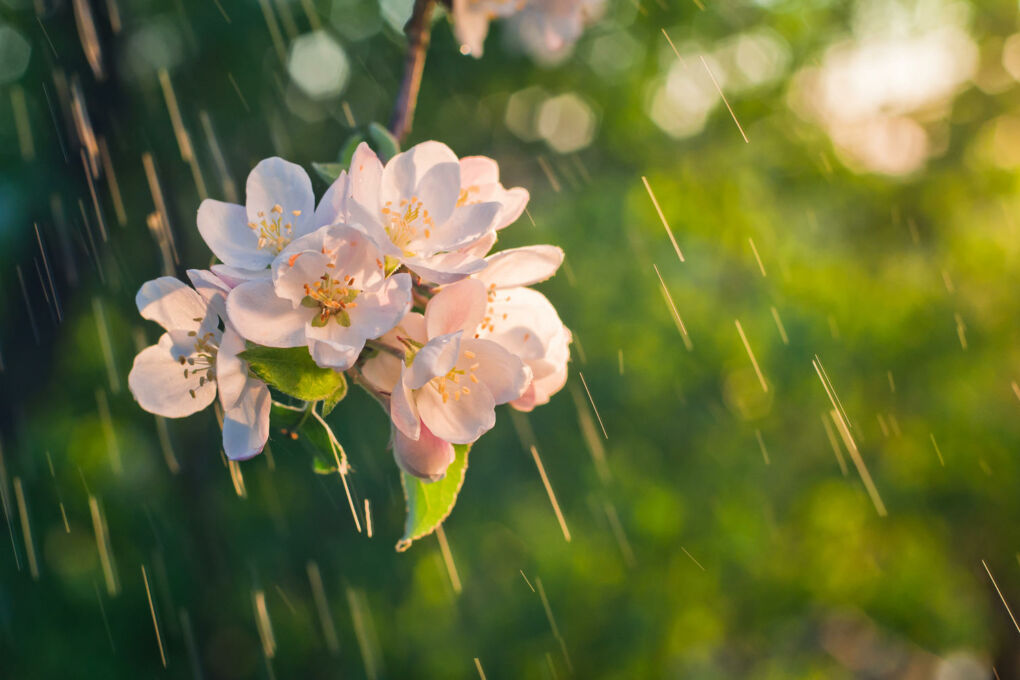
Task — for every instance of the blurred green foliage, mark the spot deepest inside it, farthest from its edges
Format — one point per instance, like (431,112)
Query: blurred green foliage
(691,554)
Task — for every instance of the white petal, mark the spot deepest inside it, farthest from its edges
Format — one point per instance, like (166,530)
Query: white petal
(459,420)
(381,309)
(246,423)
(403,409)
(523,321)
(436,358)
(224,226)
(521,266)
(158,384)
(259,315)
(467,224)
(293,272)
(231,370)
(446,267)
(541,389)
(426,457)
(234,276)
(439,190)
(404,171)
(366,221)
(333,207)
(273,182)
(335,355)
(476,171)
(172,304)
(504,374)
(457,307)
(365,177)
(382,371)
(212,289)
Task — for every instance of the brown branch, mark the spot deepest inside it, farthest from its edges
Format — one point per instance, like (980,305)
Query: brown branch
(418,31)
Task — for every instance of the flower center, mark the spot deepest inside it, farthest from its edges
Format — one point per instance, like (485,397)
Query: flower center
(465,196)
(332,297)
(202,361)
(273,233)
(450,384)
(405,221)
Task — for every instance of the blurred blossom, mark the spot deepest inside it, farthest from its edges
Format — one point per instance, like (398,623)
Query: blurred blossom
(961,666)
(614,53)
(872,92)
(355,19)
(999,142)
(567,123)
(753,59)
(680,103)
(318,65)
(154,45)
(522,112)
(548,29)
(1011,55)
(14,54)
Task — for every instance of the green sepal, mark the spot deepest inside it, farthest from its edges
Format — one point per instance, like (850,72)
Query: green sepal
(342,318)
(430,503)
(309,301)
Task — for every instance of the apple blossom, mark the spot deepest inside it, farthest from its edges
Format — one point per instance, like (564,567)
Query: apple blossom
(279,208)
(179,375)
(413,209)
(328,290)
(471,21)
(548,28)
(447,389)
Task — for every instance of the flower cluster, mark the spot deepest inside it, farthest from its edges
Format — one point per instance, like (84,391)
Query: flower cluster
(389,279)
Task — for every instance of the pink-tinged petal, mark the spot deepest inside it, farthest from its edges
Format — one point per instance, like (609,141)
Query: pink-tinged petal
(259,315)
(467,224)
(172,304)
(276,182)
(518,267)
(527,401)
(159,386)
(465,415)
(480,247)
(231,370)
(446,268)
(404,409)
(514,201)
(503,374)
(470,26)
(246,423)
(523,321)
(381,309)
(457,307)
(438,190)
(332,207)
(212,289)
(476,171)
(541,389)
(404,171)
(382,371)
(436,358)
(426,457)
(224,227)
(331,354)
(365,177)
(233,276)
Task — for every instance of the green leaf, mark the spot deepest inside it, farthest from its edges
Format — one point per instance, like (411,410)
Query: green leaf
(330,402)
(293,371)
(430,503)
(321,467)
(328,171)
(383,141)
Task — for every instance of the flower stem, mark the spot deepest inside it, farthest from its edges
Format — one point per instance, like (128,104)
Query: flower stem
(383,347)
(418,31)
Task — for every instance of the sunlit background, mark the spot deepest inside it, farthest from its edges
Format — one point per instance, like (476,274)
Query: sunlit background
(809,465)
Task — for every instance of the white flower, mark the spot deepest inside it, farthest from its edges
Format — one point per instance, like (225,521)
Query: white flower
(412,209)
(447,391)
(329,291)
(471,21)
(279,209)
(179,375)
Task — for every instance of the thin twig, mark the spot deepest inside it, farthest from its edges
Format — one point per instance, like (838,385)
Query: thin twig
(383,347)
(418,31)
